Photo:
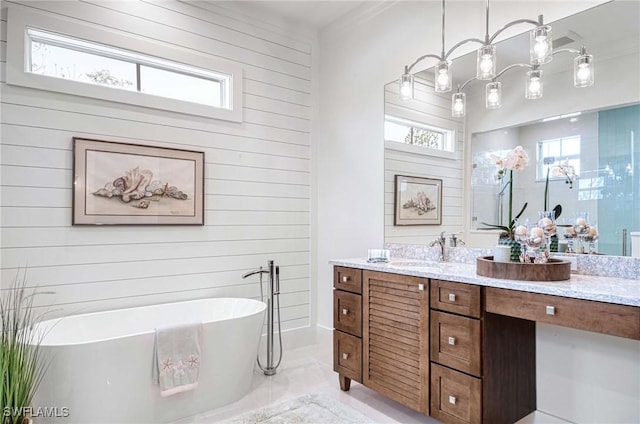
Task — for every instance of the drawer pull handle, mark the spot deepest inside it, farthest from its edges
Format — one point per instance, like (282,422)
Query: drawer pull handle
(452,341)
(345,311)
(345,356)
(345,279)
(421,287)
(452,400)
(452,297)
(551,310)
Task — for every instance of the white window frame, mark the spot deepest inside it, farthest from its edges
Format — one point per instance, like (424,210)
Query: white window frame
(19,53)
(540,174)
(449,139)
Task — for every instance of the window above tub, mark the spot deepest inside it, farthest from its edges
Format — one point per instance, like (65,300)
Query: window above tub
(68,57)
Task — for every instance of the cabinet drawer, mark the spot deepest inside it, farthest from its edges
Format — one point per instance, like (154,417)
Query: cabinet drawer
(347,312)
(455,397)
(459,298)
(348,279)
(347,355)
(455,342)
(599,317)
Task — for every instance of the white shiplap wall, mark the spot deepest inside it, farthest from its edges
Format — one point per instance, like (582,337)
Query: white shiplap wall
(433,109)
(257,173)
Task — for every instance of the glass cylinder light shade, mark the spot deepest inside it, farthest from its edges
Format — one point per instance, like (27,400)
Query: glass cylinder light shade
(583,70)
(541,45)
(486,62)
(458,105)
(443,77)
(406,87)
(533,84)
(494,95)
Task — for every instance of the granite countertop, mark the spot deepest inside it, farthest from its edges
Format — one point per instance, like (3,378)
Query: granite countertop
(621,291)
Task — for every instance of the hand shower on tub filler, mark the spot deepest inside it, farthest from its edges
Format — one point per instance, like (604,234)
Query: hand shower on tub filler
(273,298)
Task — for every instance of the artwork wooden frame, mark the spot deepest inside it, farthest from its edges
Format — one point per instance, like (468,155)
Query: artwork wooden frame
(129,184)
(418,201)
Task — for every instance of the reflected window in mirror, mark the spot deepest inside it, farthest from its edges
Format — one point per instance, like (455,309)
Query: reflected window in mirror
(414,133)
(590,188)
(555,155)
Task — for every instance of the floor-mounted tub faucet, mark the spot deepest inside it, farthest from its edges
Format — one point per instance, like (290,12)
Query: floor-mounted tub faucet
(255,271)
(442,241)
(274,295)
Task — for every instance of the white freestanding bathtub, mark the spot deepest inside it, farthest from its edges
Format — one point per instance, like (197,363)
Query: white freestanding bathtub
(101,363)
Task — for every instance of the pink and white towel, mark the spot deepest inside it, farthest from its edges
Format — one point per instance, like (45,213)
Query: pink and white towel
(176,358)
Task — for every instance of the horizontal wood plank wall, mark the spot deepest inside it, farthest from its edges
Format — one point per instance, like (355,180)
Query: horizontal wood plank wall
(257,179)
(432,109)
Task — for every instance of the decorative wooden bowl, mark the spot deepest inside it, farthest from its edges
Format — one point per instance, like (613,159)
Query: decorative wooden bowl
(553,270)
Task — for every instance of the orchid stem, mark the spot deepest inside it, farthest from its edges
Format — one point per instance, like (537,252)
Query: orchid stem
(510,198)
(546,192)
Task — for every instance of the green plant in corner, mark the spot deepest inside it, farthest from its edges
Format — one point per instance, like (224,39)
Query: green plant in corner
(515,160)
(21,367)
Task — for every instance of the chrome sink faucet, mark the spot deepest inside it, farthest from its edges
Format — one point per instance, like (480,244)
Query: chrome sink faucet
(442,241)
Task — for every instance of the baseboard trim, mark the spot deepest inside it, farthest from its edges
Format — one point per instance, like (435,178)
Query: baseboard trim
(295,338)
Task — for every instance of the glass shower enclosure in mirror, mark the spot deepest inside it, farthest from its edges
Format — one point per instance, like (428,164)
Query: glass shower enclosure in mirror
(591,160)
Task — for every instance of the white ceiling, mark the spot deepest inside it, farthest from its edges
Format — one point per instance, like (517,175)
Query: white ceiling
(312,13)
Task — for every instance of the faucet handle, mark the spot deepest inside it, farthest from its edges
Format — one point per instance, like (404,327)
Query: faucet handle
(455,240)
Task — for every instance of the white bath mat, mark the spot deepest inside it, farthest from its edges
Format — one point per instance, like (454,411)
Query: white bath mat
(308,409)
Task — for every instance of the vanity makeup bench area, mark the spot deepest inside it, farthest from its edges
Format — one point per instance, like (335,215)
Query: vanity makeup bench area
(437,337)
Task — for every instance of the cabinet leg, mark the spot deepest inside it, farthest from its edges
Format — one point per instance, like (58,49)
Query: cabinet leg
(345,383)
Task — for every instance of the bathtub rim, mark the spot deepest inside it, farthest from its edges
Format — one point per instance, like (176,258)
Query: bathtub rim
(50,324)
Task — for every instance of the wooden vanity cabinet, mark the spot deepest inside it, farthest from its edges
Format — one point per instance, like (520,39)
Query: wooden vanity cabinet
(395,337)
(456,352)
(483,365)
(589,315)
(455,397)
(381,334)
(462,353)
(347,323)
(428,345)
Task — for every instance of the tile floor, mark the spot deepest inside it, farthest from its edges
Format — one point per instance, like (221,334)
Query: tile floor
(309,370)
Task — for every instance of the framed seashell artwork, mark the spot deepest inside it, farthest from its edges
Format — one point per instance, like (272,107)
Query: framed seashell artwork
(129,184)
(418,201)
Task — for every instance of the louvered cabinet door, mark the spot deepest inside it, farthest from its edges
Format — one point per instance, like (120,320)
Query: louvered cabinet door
(396,337)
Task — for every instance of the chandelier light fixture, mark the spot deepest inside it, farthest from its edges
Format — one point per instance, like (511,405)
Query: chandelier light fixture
(540,52)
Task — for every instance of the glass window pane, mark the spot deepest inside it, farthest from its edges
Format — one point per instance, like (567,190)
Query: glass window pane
(70,64)
(576,165)
(554,148)
(417,134)
(179,86)
(584,183)
(571,146)
(426,138)
(395,132)
(556,153)
(544,149)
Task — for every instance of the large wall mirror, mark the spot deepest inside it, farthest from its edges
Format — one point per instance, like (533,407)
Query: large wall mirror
(595,129)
